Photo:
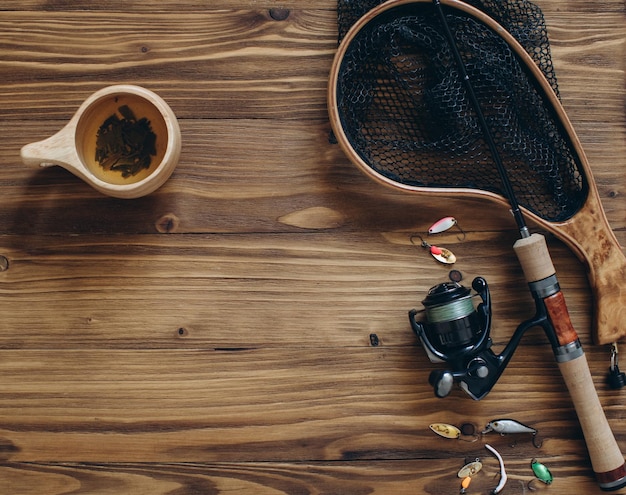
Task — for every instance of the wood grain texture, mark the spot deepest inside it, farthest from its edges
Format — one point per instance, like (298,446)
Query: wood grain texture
(243,291)
(380,478)
(244,329)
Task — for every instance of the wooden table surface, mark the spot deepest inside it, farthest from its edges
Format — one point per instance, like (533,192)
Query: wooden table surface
(244,329)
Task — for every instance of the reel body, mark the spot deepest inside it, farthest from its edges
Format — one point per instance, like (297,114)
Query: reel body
(457,333)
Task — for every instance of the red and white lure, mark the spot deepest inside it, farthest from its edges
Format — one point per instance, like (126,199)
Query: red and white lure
(446,223)
(441,254)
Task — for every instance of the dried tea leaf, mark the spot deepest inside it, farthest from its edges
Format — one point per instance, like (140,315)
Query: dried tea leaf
(125,145)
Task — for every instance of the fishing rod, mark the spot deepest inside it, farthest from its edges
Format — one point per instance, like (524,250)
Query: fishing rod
(484,368)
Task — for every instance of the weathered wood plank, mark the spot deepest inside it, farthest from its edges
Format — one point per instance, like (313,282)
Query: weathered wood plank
(245,291)
(220,64)
(269,405)
(251,176)
(550,7)
(283,64)
(217,336)
(429,476)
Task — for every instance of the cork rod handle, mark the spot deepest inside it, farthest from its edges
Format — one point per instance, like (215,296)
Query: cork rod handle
(606,458)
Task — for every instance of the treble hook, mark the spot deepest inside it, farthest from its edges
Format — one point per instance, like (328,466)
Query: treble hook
(537,443)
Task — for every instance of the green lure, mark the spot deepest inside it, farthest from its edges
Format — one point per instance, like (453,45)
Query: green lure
(542,473)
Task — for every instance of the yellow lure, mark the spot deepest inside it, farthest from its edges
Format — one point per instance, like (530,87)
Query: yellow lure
(445,430)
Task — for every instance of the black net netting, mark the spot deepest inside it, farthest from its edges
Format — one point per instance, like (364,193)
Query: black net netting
(405,111)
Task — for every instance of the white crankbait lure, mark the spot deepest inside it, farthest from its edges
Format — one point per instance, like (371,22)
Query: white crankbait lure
(506,426)
(510,426)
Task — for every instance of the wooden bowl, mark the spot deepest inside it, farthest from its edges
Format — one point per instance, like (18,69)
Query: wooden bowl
(115,112)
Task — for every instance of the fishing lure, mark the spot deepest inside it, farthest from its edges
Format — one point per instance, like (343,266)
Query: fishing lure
(470,469)
(442,255)
(450,431)
(466,473)
(446,223)
(510,426)
(445,430)
(465,484)
(503,476)
(542,473)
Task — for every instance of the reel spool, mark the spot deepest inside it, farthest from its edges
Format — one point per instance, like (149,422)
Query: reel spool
(453,325)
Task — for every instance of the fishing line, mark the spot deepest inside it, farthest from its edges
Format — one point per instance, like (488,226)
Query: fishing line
(469,87)
(452,310)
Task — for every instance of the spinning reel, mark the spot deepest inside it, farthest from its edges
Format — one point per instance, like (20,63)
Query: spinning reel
(457,332)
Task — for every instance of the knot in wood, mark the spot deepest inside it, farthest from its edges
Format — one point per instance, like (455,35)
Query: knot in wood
(167,223)
(279,14)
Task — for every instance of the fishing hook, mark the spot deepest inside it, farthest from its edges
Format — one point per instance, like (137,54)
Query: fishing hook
(524,487)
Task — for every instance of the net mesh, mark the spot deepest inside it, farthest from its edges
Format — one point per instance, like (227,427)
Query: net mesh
(405,110)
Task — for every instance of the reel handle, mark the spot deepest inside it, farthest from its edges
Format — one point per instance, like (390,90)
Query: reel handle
(442,382)
(606,458)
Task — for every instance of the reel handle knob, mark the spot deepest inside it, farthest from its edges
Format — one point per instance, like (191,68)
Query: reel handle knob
(442,382)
